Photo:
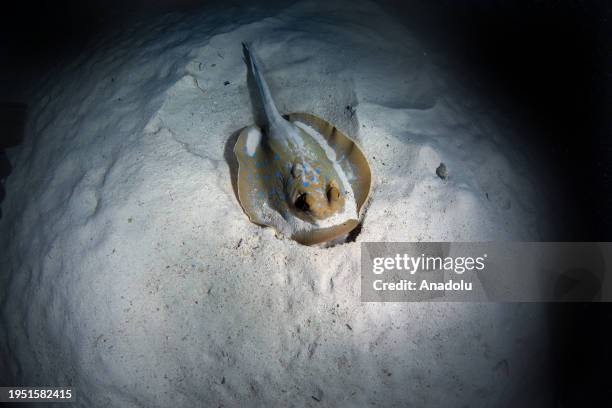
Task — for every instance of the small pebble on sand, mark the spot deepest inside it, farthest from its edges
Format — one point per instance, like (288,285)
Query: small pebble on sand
(442,172)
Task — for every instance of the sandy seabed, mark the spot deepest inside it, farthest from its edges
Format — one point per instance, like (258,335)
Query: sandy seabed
(132,273)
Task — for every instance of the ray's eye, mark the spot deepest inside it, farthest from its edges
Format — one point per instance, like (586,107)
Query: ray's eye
(303,202)
(333,193)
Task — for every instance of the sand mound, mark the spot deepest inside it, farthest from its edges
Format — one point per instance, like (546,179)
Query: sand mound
(132,273)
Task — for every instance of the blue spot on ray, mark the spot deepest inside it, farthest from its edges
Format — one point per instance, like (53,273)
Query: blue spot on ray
(306,184)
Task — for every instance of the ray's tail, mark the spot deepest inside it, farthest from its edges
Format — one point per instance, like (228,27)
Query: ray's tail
(272,114)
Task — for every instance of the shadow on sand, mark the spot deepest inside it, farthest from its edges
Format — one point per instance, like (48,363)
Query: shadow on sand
(12,124)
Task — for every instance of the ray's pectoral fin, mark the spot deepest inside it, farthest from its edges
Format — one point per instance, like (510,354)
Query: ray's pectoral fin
(259,184)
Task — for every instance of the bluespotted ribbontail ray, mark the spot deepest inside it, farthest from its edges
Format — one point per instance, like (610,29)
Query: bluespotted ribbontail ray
(301,175)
